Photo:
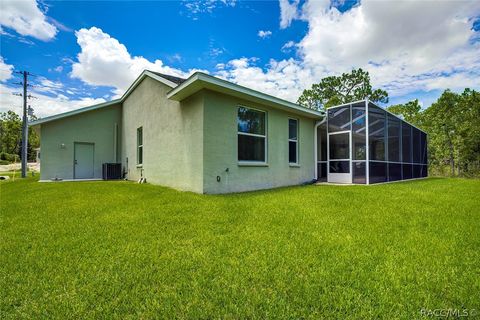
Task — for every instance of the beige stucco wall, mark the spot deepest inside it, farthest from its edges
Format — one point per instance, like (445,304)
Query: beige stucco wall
(172,137)
(220,148)
(97,126)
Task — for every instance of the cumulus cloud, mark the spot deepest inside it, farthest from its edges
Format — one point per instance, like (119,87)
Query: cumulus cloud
(26,18)
(406,46)
(283,79)
(264,33)
(6,70)
(288,12)
(397,41)
(104,61)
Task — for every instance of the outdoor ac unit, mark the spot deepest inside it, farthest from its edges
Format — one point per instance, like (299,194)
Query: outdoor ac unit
(112,171)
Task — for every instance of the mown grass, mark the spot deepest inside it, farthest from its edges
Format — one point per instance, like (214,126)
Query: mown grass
(127,251)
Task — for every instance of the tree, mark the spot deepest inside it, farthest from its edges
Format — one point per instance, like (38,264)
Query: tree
(11,135)
(10,132)
(335,90)
(410,111)
(452,123)
(441,119)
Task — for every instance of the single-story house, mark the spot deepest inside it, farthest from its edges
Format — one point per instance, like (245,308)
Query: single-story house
(201,134)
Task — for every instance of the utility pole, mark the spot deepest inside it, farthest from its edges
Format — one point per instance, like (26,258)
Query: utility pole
(27,110)
(24,127)
(24,151)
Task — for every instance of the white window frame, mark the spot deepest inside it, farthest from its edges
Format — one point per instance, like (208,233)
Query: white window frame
(265,136)
(139,146)
(293,140)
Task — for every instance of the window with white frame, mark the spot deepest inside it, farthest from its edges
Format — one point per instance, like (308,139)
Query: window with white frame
(140,145)
(252,137)
(293,141)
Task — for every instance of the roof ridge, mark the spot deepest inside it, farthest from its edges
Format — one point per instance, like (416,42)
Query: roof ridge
(174,79)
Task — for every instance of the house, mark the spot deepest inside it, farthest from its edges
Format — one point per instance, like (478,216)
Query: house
(202,134)
(208,135)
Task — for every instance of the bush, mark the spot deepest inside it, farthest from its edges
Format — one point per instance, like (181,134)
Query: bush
(9,157)
(2,162)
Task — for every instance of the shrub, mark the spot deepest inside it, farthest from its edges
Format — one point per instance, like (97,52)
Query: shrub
(9,157)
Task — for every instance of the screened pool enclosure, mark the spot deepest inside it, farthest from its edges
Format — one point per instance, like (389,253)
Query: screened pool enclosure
(364,144)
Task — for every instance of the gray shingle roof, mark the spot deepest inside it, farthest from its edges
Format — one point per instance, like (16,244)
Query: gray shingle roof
(174,79)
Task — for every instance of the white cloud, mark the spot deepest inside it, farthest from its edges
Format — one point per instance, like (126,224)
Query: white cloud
(406,46)
(399,42)
(50,99)
(27,19)
(44,85)
(45,105)
(283,79)
(288,12)
(56,69)
(264,33)
(104,61)
(288,46)
(215,52)
(6,70)
(196,7)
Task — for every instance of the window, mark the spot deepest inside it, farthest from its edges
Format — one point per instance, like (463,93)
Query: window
(292,141)
(140,145)
(251,135)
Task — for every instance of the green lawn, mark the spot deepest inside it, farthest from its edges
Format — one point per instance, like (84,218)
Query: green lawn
(124,250)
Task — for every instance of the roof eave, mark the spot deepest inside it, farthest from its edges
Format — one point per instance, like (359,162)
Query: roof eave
(199,81)
(73,112)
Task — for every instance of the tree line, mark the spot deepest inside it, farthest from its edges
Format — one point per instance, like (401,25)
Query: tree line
(452,122)
(11,138)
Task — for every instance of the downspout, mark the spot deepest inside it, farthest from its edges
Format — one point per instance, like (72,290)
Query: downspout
(315,139)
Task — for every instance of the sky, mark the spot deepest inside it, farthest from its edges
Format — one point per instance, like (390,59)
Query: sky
(83,53)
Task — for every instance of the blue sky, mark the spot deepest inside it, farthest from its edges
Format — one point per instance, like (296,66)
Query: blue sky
(89,52)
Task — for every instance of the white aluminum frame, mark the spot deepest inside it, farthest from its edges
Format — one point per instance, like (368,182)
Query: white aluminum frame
(340,177)
(253,162)
(367,144)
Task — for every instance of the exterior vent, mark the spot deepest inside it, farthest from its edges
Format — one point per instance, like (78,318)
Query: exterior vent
(112,171)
